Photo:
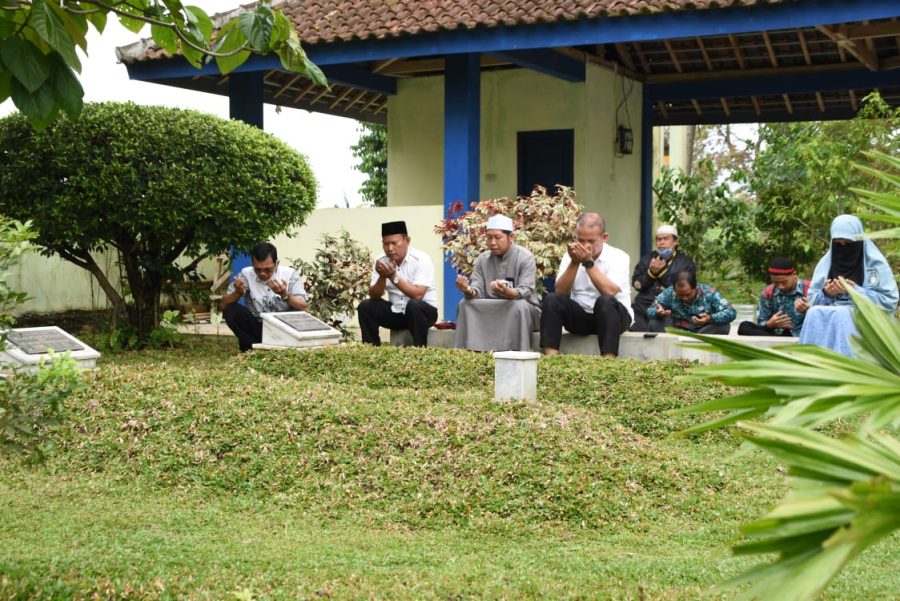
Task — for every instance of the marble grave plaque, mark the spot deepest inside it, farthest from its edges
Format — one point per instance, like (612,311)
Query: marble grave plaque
(28,347)
(303,321)
(296,329)
(41,341)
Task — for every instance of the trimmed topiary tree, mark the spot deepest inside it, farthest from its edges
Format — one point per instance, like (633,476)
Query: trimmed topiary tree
(153,183)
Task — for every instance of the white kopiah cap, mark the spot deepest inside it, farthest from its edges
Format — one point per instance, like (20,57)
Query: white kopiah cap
(667,230)
(500,222)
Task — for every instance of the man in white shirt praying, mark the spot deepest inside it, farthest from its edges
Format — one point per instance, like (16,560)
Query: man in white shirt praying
(592,290)
(407,275)
(266,287)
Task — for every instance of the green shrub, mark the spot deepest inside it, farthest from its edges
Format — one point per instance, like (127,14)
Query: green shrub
(153,184)
(338,279)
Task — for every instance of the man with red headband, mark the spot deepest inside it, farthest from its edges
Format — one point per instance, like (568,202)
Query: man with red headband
(782,304)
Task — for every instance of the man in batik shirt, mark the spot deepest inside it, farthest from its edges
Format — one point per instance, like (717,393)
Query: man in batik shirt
(782,304)
(690,306)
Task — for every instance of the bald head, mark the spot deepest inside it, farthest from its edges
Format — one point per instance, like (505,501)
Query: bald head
(589,220)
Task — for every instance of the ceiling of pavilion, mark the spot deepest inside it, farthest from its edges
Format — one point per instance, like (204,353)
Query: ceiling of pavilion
(832,50)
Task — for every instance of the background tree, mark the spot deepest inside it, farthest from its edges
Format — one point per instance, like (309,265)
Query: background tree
(802,176)
(154,184)
(371,152)
(38,38)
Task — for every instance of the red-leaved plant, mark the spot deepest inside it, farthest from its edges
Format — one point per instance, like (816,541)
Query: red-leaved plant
(544,225)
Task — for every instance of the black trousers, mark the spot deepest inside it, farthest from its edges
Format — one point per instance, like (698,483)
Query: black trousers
(608,321)
(748,328)
(639,305)
(660,325)
(246,326)
(376,312)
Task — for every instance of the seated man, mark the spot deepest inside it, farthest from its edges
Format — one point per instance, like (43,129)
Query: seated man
(266,287)
(782,304)
(655,272)
(591,291)
(408,276)
(692,307)
(500,308)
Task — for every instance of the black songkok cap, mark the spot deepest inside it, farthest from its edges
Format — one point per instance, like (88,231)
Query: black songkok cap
(393,227)
(781,266)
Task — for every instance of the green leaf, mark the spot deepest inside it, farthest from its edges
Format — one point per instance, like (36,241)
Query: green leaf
(282,31)
(5,81)
(131,24)
(231,41)
(257,27)
(38,106)
(75,24)
(29,66)
(67,90)
(165,37)
(193,56)
(52,30)
(98,19)
(197,17)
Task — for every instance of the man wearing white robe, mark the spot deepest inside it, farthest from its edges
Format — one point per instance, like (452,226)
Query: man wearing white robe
(500,309)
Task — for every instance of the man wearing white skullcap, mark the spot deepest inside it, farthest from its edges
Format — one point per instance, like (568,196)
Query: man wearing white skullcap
(500,309)
(655,272)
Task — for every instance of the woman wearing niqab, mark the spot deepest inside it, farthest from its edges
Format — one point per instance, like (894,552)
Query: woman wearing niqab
(829,320)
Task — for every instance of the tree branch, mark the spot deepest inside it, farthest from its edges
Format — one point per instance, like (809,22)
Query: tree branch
(86,261)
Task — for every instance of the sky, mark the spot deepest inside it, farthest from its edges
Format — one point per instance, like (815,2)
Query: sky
(324,139)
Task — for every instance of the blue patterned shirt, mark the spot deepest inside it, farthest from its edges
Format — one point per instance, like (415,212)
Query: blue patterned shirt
(772,300)
(708,301)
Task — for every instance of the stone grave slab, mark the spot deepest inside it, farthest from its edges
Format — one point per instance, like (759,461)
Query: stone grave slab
(296,329)
(27,347)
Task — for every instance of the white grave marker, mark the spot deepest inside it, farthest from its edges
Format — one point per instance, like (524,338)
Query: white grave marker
(296,329)
(515,375)
(27,347)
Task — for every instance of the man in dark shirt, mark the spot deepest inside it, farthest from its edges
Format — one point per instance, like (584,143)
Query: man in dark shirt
(655,272)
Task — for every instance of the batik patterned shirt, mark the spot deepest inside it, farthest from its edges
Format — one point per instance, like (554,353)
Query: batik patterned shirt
(708,300)
(772,300)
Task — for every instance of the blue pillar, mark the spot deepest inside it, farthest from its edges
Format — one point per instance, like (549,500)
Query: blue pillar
(646,231)
(245,103)
(462,149)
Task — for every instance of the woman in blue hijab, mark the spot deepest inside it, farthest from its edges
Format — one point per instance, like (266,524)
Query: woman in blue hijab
(829,320)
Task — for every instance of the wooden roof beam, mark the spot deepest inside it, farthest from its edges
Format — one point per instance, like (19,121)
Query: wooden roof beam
(697,106)
(770,49)
(803,47)
(625,57)
(736,74)
(886,29)
(787,104)
(356,99)
(820,101)
(725,107)
(286,86)
(644,64)
(305,91)
(673,56)
(756,108)
(864,55)
(737,52)
(369,103)
(853,102)
(343,95)
(706,59)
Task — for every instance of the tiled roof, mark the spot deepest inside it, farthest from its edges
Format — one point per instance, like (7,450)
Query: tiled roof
(344,20)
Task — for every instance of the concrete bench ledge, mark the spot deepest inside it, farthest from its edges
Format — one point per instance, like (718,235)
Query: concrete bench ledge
(632,345)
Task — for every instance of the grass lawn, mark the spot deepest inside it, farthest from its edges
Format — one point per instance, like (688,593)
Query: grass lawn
(356,472)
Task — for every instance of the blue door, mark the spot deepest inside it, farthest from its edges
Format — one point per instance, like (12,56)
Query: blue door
(545,158)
